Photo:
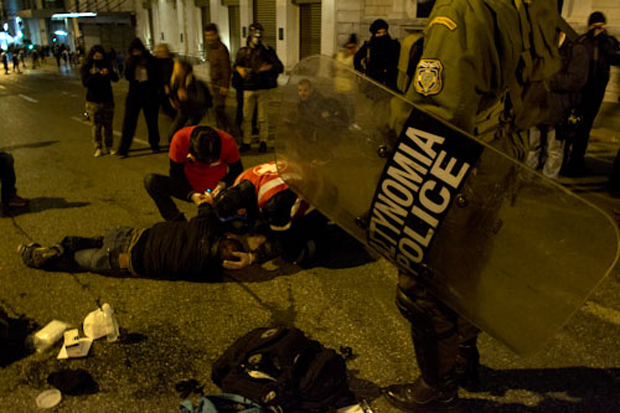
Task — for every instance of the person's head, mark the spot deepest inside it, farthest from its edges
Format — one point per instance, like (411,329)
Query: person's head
(597,22)
(280,209)
(379,28)
(136,48)
(351,44)
(211,34)
(162,51)
(227,247)
(205,145)
(235,206)
(256,34)
(304,89)
(97,52)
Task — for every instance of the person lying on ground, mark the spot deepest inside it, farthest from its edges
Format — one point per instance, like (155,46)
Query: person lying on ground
(194,250)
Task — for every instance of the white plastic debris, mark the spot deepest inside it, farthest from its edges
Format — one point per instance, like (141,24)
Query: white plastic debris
(101,322)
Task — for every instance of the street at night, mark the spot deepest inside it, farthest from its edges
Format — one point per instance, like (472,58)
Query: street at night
(174,330)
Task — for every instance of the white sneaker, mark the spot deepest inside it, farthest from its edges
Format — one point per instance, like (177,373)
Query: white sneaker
(111,151)
(98,153)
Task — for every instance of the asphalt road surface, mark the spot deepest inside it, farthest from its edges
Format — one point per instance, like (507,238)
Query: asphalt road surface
(173,331)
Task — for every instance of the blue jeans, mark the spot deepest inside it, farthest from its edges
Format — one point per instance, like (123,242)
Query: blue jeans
(104,259)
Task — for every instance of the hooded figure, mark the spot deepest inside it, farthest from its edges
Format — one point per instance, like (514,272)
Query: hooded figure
(145,85)
(378,57)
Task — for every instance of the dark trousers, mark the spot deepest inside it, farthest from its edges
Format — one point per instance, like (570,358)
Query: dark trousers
(7,177)
(184,118)
(162,188)
(147,101)
(222,120)
(437,331)
(588,109)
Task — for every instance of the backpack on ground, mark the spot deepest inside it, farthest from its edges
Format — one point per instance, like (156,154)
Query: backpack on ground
(283,370)
(221,403)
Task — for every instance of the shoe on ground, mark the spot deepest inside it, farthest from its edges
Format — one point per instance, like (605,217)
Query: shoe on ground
(98,153)
(17,201)
(121,155)
(262,148)
(244,147)
(111,151)
(155,149)
(34,255)
(419,396)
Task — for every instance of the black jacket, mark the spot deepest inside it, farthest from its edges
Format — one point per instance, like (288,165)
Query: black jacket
(181,249)
(252,59)
(603,51)
(566,85)
(99,87)
(154,85)
(378,59)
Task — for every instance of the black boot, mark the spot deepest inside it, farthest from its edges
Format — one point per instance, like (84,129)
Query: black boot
(421,397)
(467,364)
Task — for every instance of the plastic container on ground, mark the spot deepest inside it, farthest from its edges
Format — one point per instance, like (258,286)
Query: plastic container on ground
(48,335)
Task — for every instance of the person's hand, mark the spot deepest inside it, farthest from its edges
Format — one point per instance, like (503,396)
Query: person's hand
(182,93)
(223,91)
(265,68)
(166,89)
(105,71)
(94,70)
(245,259)
(242,71)
(218,188)
(200,199)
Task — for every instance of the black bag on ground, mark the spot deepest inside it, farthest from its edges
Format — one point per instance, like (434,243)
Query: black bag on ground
(280,368)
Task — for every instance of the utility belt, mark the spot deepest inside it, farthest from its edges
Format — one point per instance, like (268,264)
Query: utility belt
(125,261)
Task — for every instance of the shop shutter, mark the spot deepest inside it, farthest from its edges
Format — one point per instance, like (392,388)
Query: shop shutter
(309,29)
(265,14)
(234,27)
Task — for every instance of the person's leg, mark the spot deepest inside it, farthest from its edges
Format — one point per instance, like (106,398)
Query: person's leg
(438,334)
(263,121)
(555,155)
(589,109)
(239,111)
(7,177)
(95,113)
(249,101)
(105,259)
(178,123)
(533,156)
(132,110)
(108,122)
(162,188)
(151,113)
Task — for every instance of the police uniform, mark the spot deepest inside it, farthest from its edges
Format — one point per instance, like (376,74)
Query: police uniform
(476,67)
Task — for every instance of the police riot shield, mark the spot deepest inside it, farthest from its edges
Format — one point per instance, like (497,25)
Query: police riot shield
(511,251)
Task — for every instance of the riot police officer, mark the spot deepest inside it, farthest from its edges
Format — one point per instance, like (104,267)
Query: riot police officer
(473,67)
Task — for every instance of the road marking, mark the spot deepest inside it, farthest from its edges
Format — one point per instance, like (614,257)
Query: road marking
(28,98)
(607,314)
(116,133)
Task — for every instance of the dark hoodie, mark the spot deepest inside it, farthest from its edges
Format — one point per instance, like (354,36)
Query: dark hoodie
(99,87)
(155,81)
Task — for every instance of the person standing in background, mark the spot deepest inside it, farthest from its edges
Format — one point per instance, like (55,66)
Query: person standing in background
(145,85)
(97,75)
(220,71)
(378,57)
(259,67)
